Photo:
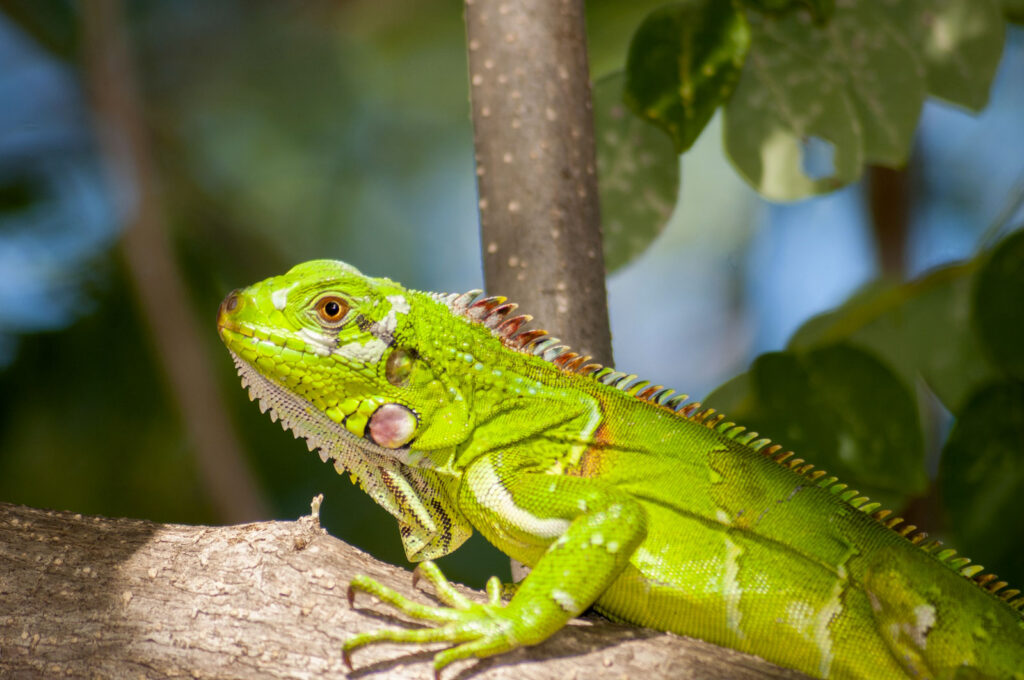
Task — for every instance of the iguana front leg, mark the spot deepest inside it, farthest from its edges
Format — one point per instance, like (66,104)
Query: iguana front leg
(577,535)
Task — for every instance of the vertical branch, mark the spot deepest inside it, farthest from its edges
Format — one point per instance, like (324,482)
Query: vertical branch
(536,168)
(889,202)
(159,290)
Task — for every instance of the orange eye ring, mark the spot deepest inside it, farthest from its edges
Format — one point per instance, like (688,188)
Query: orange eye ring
(331,309)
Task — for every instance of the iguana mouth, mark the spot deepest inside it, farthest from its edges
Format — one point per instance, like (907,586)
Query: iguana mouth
(227,306)
(376,469)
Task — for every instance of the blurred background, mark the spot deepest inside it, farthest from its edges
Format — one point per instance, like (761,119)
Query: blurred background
(276,132)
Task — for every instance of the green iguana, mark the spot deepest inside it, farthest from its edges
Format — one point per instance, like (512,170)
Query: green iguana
(618,494)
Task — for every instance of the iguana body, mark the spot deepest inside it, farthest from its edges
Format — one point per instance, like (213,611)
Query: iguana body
(619,497)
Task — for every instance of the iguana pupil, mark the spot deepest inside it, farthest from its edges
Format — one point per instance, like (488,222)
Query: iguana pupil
(332,309)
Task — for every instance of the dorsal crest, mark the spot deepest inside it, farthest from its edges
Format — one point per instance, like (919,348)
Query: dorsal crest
(495,314)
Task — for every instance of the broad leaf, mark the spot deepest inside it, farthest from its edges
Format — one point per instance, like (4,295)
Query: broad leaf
(855,82)
(981,478)
(734,397)
(899,322)
(884,77)
(959,41)
(816,100)
(1014,10)
(787,103)
(999,305)
(840,408)
(683,62)
(637,172)
(821,10)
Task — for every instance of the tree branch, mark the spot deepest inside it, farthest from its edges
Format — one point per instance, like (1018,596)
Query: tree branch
(534,137)
(114,598)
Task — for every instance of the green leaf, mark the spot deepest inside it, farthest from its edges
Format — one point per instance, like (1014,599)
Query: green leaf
(959,41)
(884,77)
(683,62)
(733,396)
(53,25)
(821,10)
(981,478)
(840,408)
(899,322)
(784,103)
(1014,10)
(999,305)
(18,194)
(855,83)
(638,175)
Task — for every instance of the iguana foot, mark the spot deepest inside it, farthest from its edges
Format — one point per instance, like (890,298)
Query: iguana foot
(483,629)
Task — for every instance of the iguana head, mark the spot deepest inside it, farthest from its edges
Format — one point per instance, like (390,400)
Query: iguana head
(324,340)
(335,356)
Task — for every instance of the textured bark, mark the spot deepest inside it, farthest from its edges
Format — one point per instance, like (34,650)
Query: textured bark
(86,597)
(534,137)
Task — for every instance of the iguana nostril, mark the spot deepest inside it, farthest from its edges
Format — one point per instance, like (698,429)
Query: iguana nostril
(230,303)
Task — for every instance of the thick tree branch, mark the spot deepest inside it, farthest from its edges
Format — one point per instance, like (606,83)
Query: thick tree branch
(534,138)
(116,598)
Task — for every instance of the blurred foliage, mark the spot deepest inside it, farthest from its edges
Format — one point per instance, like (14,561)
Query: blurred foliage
(1014,10)
(683,63)
(816,99)
(842,408)
(997,309)
(820,10)
(811,93)
(638,176)
(842,395)
(981,478)
(897,321)
(52,24)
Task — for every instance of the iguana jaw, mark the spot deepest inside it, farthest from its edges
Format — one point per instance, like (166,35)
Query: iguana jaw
(302,418)
(243,329)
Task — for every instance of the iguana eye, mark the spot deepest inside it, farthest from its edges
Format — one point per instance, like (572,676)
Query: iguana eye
(331,309)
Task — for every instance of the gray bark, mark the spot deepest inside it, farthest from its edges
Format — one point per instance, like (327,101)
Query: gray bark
(92,597)
(536,168)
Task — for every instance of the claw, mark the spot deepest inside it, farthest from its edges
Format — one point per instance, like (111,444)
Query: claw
(475,630)
(351,595)
(416,575)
